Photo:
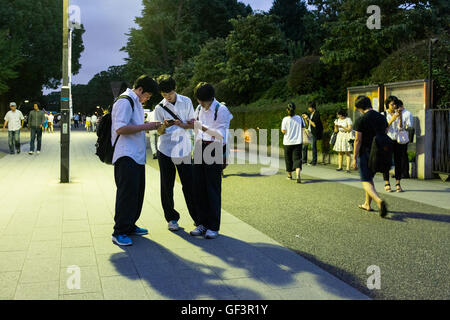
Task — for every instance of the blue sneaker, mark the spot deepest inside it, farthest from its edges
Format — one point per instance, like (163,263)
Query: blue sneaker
(139,232)
(122,240)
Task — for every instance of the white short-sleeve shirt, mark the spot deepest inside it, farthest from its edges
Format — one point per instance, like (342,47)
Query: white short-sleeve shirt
(175,142)
(344,123)
(14,120)
(221,124)
(394,128)
(294,130)
(130,145)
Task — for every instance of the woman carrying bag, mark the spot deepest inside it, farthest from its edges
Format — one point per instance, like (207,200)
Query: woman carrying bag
(292,128)
(343,127)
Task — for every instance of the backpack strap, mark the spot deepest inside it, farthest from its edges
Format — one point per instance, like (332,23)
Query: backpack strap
(132,107)
(128,98)
(215,113)
(170,112)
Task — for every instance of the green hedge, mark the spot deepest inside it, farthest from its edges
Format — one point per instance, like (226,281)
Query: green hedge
(268,114)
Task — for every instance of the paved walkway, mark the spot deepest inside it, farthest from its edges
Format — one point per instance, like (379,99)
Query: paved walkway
(46,227)
(431,192)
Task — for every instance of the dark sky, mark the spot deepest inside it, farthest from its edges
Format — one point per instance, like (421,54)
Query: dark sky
(106,23)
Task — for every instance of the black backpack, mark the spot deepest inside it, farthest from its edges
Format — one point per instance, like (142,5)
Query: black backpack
(104,148)
(380,159)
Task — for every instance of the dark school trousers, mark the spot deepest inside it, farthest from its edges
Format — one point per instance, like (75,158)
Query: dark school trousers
(130,182)
(35,134)
(208,191)
(293,157)
(168,170)
(400,153)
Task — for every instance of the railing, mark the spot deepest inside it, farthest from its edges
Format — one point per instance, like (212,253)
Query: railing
(441,141)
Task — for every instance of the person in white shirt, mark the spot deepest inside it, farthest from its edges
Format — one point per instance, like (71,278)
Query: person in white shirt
(94,122)
(343,126)
(128,138)
(175,149)
(50,120)
(292,128)
(153,136)
(398,118)
(14,119)
(211,126)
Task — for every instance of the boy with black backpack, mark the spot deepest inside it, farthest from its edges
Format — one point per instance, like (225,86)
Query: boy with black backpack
(129,156)
(372,151)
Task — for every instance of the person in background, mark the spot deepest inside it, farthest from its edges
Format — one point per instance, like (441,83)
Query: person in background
(343,127)
(292,128)
(315,128)
(36,120)
(88,123)
(367,127)
(45,125)
(94,122)
(211,132)
(50,120)
(76,119)
(153,136)
(398,119)
(14,119)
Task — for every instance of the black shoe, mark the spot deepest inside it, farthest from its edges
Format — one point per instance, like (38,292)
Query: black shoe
(299,180)
(18,151)
(11,152)
(339,169)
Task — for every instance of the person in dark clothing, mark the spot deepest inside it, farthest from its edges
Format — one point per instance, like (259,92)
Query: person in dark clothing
(367,127)
(36,120)
(315,127)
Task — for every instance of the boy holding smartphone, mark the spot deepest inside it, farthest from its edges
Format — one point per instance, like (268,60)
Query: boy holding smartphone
(176,112)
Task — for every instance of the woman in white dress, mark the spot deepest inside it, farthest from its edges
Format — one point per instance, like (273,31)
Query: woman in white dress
(343,126)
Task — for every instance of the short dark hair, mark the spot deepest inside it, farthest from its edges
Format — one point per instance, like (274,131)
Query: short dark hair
(363,103)
(342,112)
(312,104)
(147,84)
(204,92)
(389,100)
(166,83)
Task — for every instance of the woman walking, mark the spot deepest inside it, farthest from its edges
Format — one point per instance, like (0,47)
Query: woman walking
(292,128)
(343,126)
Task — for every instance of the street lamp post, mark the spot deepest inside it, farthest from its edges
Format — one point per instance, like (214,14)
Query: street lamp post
(65,100)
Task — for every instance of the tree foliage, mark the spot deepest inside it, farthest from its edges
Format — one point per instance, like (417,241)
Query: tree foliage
(256,50)
(36,29)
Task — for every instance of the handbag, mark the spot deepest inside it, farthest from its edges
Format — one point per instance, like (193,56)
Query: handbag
(403,137)
(333,139)
(306,139)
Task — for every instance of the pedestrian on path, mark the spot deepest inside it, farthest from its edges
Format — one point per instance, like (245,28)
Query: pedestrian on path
(128,136)
(94,122)
(50,120)
(176,112)
(315,127)
(343,126)
(88,123)
(292,128)
(36,120)
(45,125)
(211,132)
(398,119)
(14,119)
(370,124)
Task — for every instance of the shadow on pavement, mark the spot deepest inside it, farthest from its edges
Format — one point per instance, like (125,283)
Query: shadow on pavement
(401,216)
(267,264)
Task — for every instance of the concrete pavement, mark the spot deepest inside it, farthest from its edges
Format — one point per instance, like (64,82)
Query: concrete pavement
(47,227)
